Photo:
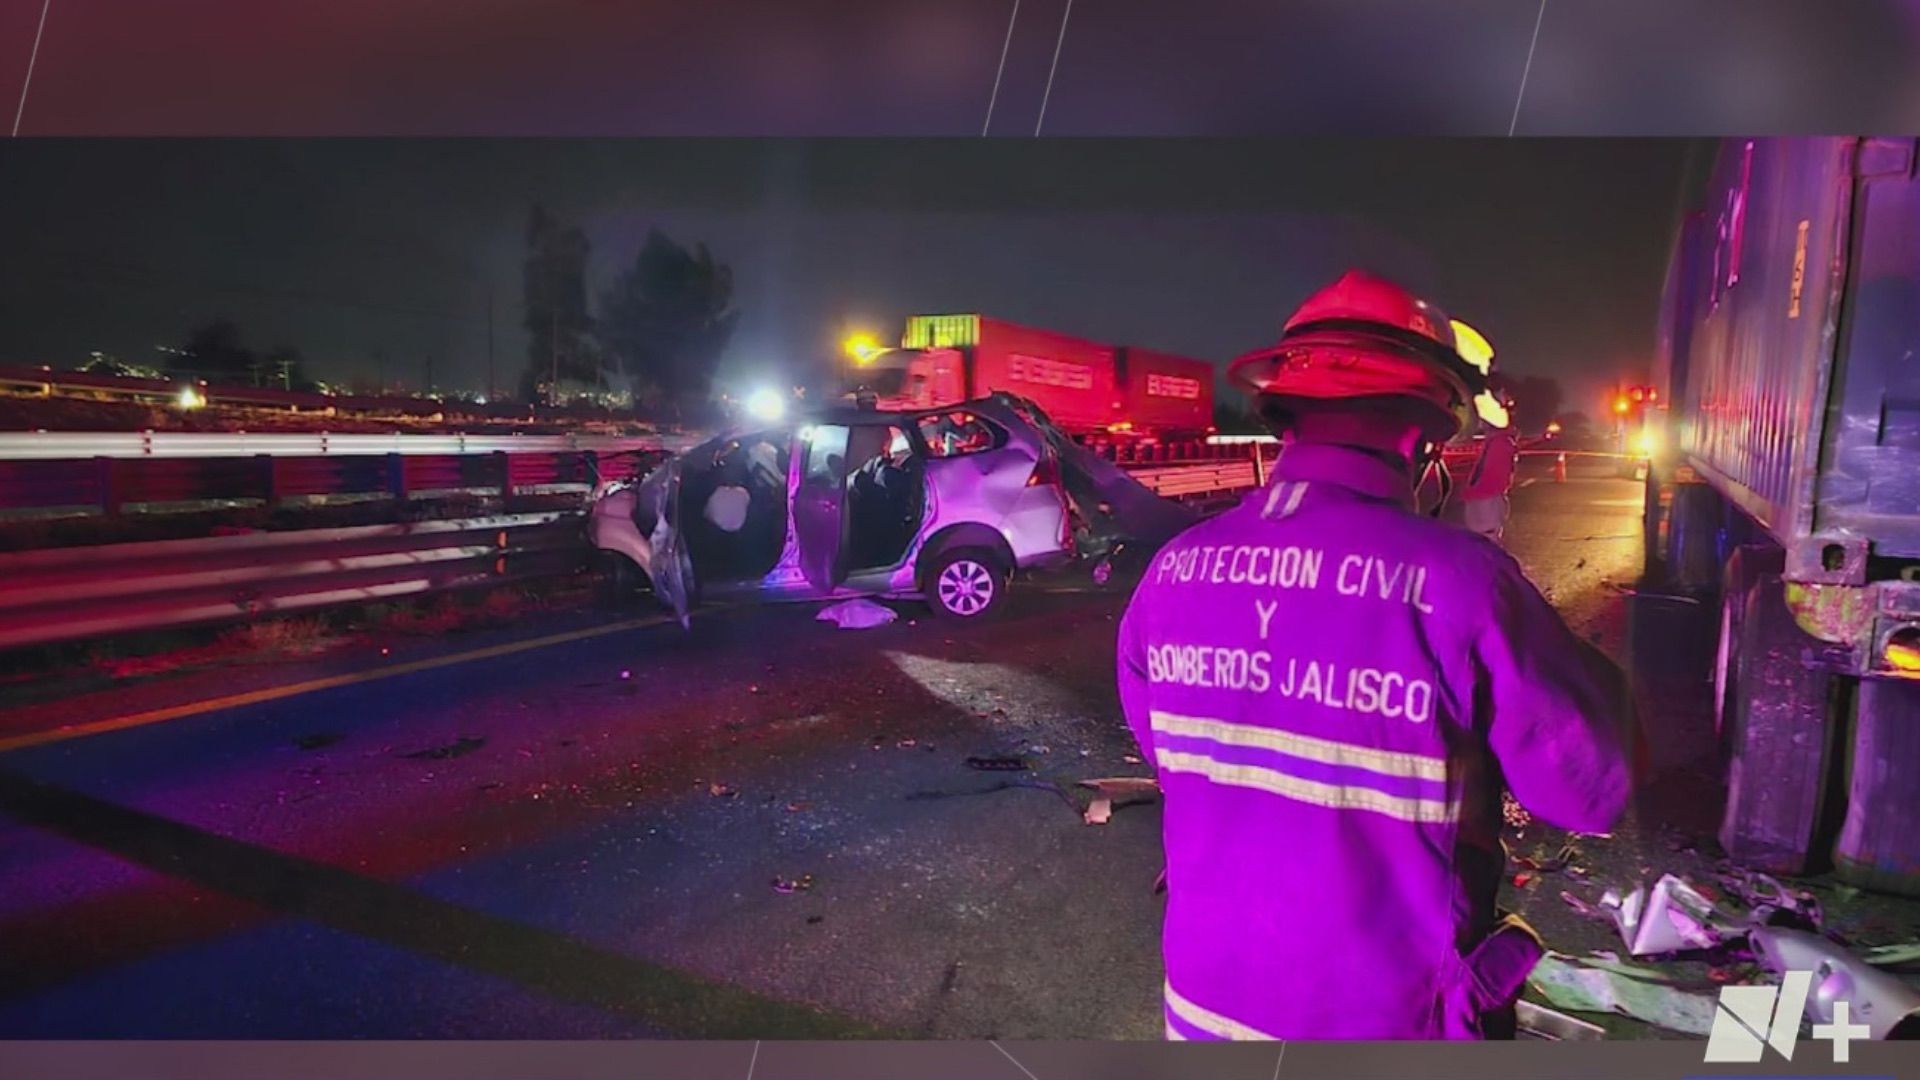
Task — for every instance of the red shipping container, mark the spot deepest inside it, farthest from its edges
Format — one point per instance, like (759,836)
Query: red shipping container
(1070,378)
(1165,394)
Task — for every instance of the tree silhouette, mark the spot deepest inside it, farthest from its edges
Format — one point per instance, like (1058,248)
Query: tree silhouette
(665,322)
(559,330)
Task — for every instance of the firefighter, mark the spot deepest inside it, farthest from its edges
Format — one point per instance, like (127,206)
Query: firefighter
(1484,501)
(1332,689)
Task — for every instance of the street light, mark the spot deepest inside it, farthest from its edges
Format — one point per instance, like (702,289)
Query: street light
(862,347)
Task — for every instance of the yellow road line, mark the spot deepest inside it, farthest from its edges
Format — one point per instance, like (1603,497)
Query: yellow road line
(274,693)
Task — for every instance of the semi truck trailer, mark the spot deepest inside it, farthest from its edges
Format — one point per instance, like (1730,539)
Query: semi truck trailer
(1785,490)
(1085,387)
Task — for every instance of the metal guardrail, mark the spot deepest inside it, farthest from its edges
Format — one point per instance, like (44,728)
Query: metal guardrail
(48,445)
(63,594)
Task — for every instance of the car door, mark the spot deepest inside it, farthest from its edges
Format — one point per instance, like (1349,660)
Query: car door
(657,515)
(820,455)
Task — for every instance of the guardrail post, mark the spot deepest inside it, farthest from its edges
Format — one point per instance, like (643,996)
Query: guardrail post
(501,462)
(397,476)
(269,479)
(107,480)
(1259,465)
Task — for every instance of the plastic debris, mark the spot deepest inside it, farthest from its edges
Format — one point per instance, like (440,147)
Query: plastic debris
(1671,917)
(1773,903)
(788,886)
(1541,1022)
(1131,759)
(907,744)
(1621,990)
(1881,1001)
(1124,787)
(1892,955)
(1515,815)
(721,791)
(1100,811)
(857,614)
(996,764)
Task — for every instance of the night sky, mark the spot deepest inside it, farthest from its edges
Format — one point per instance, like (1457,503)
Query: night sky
(926,67)
(354,250)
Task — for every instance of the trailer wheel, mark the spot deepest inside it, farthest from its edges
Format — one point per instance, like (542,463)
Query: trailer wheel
(1781,737)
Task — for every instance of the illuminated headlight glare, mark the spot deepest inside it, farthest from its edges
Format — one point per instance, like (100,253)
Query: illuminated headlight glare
(764,404)
(1648,443)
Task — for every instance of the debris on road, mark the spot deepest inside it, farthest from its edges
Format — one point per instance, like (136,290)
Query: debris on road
(906,744)
(1671,917)
(1111,791)
(1892,955)
(1642,594)
(461,747)
(319,740)
(1543,1023)
(788,886)
(1515,815)
(721,791)
(1124,787)
(858,614)
(1772,902)
(1884,1003)
(1131,759)
(1594,986)
(997,764)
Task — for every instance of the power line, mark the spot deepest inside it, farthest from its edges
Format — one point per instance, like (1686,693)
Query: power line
(1002,69)
(32,58)
(1528,70)
(1057,44)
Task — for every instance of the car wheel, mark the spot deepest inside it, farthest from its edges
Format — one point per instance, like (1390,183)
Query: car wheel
(967,584)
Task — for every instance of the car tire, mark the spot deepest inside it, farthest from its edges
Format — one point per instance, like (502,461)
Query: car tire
(967,584)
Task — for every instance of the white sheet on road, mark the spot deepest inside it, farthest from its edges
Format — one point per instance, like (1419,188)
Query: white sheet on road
(857,614)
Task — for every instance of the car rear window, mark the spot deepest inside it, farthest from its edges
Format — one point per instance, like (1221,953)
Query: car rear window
(957,434)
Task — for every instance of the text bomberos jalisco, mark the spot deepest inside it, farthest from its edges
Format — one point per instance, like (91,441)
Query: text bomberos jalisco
(1360,689)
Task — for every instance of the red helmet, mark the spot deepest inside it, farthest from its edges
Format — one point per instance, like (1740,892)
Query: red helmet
(1366,337)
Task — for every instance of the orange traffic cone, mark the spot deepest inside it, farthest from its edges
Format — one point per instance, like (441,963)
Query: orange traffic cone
(1560,469)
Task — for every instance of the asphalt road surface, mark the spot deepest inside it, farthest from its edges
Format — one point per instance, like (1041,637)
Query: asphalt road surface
(766,827)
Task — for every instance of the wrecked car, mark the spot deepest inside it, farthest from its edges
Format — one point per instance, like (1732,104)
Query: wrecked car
(945,505)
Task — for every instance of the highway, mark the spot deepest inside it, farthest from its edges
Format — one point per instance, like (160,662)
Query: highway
(583,827)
